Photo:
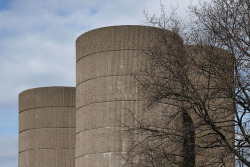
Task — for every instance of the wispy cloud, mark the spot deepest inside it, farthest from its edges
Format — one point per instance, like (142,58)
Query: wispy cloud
(38,39)
(37,48)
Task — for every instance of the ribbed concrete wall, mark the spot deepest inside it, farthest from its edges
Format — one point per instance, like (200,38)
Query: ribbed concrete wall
(221,109)
(107,58)
(47,127)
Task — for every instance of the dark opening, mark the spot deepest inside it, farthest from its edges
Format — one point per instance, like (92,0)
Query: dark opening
(188,140)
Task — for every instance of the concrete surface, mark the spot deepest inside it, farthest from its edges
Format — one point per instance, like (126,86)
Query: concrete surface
(47,127)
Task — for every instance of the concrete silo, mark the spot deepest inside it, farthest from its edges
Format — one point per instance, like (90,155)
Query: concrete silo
(211,72)
(107,60)
(47,127)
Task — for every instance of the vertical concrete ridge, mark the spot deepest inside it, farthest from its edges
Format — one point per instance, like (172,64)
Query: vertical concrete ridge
(47,127)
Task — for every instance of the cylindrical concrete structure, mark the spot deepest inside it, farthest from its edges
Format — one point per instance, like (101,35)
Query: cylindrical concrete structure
(107,60)
(47,127)
(220,107)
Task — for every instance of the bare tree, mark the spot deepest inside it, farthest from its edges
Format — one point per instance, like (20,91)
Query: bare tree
(197,90)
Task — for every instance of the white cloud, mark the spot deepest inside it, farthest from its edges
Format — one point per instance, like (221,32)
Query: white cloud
(37,38)
(37,45)
(39,48)
(32,61)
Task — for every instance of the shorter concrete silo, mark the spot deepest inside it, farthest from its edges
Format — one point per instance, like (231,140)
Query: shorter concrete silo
(108,58)
(47,127)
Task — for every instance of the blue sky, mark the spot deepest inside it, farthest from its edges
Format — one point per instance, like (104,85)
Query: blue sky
(5,4)
(37,48)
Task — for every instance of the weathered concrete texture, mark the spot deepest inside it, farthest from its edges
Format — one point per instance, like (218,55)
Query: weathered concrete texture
(117,38)
(47,97)
(221,108)
(47,127)
(98,115)
(107,59)
(110,88)
(100,160)
(115,63)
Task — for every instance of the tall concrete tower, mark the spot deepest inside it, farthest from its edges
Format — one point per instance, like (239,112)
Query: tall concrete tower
(47,127)
(107,60)
(210,150)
